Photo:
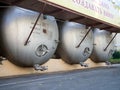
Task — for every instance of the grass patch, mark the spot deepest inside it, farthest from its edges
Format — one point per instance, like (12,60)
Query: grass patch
(115,61)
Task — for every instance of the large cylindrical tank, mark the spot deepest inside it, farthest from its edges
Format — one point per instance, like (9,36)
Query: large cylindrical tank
(101,40)
(71,34)
(16,25)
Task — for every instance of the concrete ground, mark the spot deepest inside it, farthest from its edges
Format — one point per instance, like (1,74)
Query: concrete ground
(103,78)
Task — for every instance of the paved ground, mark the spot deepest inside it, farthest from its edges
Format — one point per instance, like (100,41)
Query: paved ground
(107,78)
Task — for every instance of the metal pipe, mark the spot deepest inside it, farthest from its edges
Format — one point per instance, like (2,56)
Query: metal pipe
(110,42)
(26,42)
(89,29)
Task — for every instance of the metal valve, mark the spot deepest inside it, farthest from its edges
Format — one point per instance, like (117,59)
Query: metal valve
(83,64)
(41,68)
(42,50)
(86,51)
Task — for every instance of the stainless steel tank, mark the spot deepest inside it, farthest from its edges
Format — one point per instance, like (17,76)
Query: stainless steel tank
(101,40)
(16,25)
(71,34)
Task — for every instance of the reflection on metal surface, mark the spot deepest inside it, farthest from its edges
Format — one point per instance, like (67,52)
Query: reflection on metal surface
(84,37)
(71,34)
(110,42)
(101,39)
(19,22)
(33,28)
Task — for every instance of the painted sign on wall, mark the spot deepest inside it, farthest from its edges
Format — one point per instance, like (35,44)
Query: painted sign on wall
(105,10)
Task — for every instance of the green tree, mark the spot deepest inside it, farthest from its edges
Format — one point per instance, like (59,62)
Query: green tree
(116,55)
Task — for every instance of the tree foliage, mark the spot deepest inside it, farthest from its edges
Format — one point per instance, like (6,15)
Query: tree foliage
(116,55)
